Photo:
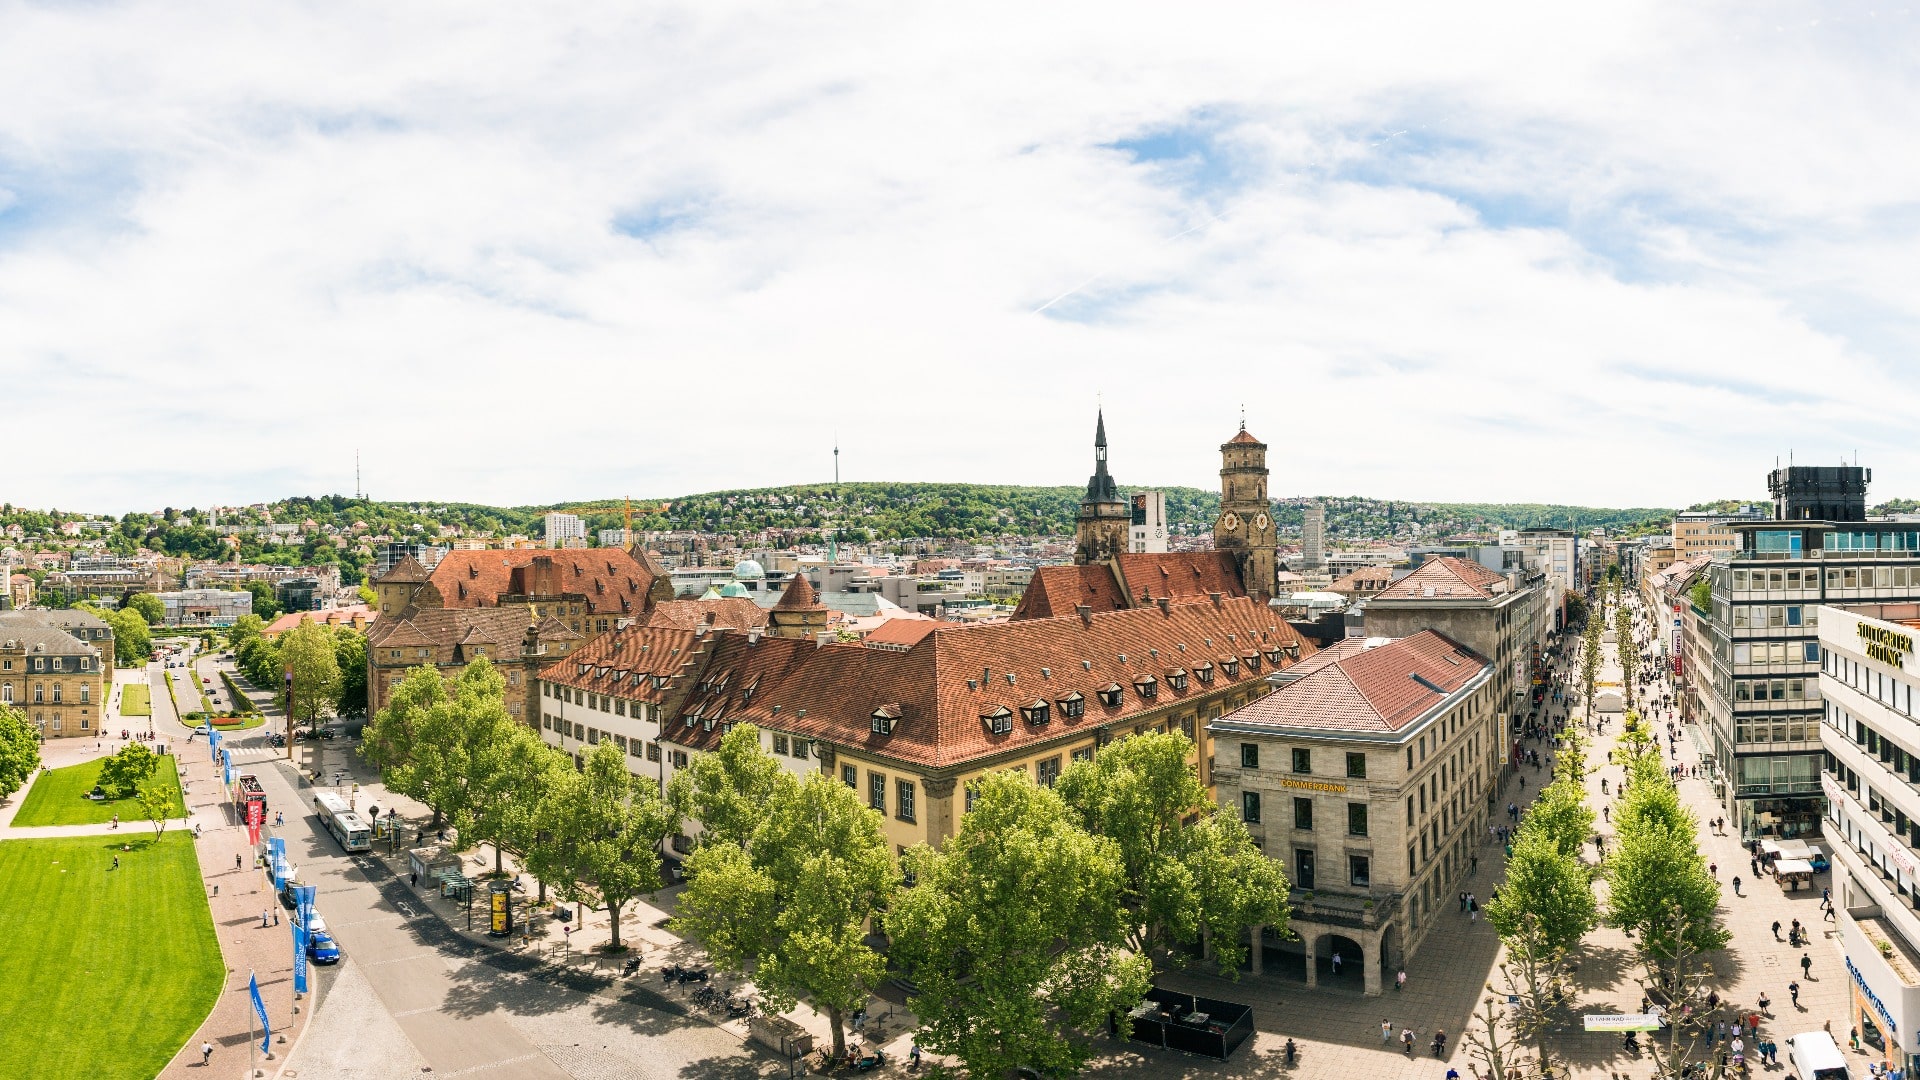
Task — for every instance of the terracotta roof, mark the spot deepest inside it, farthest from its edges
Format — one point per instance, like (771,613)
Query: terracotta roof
(733,612)
(358,615)
(943,685)
(1447,577)
(628,663)
(408,571)
(1056,590)
(1373,578)
(1180,574)
(1244,439)
(500,627)
(799,595)
(604,576)
(1368,686)
(900,633)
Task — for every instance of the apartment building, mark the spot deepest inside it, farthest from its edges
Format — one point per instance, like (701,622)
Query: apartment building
(1365,774)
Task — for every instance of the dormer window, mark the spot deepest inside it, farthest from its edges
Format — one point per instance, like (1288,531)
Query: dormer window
(659,682)
(1073,706)
(1036,712)
(1292,650)
(1252,661)
(1177,680)
(1273,656)
(884,718)
(582,669)
(999,721)
(1147,687)
(1109,695)
(1203,672)
(1230,666)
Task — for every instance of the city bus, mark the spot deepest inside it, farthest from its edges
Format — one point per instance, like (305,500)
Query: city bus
(349,828)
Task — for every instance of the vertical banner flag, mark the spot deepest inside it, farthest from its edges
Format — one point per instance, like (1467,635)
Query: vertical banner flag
(213,743)
(299,959)
(256,815)
(266,1033)
(226,766)
(303,903)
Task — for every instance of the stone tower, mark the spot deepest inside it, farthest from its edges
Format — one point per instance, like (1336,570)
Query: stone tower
(1100,532)
(799,614)
(1245,526)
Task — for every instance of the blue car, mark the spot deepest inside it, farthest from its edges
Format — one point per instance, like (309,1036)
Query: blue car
(322,949)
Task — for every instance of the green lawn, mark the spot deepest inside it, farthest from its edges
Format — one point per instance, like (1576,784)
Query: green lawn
(58,798)
(109,972)
(136,699)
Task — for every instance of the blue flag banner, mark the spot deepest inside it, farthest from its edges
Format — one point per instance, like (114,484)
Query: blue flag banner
(278,846)
(213,744)
(299,959)
(226,765)
(266,1032)
(303,902)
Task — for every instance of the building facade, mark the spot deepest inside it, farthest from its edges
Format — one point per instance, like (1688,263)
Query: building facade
(53,678)
(1313,537)
(205,607)
(560,528)
(1507,617)
(1149,523)
(1365,774)
(1871,781)
(1100,531)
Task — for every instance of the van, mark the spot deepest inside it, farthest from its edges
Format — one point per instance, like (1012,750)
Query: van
(1815,1056)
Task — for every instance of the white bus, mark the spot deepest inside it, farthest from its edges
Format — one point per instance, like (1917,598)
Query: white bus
(349,828)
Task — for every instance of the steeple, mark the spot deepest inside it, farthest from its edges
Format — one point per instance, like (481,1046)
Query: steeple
(1100,487)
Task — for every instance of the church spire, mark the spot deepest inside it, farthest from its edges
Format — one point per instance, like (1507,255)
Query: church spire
(1100,487)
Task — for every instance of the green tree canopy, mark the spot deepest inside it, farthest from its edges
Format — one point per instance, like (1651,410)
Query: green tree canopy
(1561,816)
(350,655)
(129,767)
(1656,870)
(727,791)
(244,629)
(598,834)
(509,770)
(156,802)
(1140,792)
(148,607)
(19,750)
(307,653)
(1015,933)
(795,904)
(132,642)
(1548,885)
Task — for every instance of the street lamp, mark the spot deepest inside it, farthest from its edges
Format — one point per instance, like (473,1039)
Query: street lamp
(289,714)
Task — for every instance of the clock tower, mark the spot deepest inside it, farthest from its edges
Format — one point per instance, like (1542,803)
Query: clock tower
(1100,531)
(1245,527)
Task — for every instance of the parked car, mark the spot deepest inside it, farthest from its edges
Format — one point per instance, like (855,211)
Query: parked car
(321,948)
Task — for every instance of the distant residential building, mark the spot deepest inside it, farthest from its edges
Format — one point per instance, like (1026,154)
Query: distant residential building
(1699,532)
(1313,537)
(387,555)
(613,538)
(1149,529)
(205,607)
(357,617)
(20,591)
(560,528)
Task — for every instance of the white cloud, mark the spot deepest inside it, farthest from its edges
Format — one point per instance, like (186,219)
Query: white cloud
(1622,255)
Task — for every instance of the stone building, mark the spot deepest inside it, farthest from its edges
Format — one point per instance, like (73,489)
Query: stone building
(54,678)
(1245,527)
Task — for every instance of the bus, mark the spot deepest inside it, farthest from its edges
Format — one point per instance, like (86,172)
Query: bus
(349,828)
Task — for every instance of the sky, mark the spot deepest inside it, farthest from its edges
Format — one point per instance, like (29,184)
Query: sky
(1614,254)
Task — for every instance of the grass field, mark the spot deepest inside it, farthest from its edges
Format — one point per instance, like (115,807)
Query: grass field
(136,700)
(58,798)
(109,972)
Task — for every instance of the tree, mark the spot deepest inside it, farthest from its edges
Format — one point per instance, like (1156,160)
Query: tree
(156,802)
(1561,816)
(1659,883)
(148,607)
(1015,934)
(433,740)
(509,771)
(132,643)
(1548,893)
(599,834)
(1180,879)
(264,603)
(727,790)
(1589,660)
(795,903)
(244,629)
(258,658)
(350,654)
(307,654)
(19,750)
(1625,649)
(123,773)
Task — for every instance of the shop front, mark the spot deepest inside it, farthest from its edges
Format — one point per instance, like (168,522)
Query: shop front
(1882,1001)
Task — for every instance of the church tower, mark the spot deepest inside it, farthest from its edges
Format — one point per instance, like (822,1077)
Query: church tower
(1245,526)
(1100,532)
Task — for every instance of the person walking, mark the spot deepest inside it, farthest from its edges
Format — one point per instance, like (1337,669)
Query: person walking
(1806,966)
(116,862)
(206,1053)
(1439,1044)
(236,861)
(1386,1031)
(1776,929)
(1400,980)
(263,919)
(1736,884)
(1336,964)
(1793,991)
(1406,1041)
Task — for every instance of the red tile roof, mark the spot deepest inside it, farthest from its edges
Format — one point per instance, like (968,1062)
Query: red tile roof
(1365,579)
(900,633)
(733,612)
(799,595)
(1244,439)
(358,615)
(1057,590)
(609,578)
(1181,574)
(1447,577)
(1369,687)
(408,571)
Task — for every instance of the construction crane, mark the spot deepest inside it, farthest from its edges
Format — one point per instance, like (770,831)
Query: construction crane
(626,505)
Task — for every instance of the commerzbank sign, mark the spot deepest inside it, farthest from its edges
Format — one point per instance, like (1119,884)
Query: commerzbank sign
(1890,647)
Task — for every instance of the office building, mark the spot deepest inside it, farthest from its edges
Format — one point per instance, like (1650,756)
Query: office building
(1149,529)
(560,528)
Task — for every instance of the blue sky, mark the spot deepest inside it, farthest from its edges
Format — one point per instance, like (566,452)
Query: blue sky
(1617,256)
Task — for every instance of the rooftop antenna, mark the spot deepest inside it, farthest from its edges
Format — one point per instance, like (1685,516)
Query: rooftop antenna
(1243,416)
(356,473)
(836,459)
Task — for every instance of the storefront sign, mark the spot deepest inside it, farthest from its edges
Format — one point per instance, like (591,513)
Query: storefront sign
(1873,999)
(1890,647)
(1314,785)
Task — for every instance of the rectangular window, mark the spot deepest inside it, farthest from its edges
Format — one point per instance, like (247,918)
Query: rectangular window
(1048,771)
(1302,813)
(850,776)
(679,759)
(877,791)
(1249,755)
(1302,760)
(903,798)
(1356,819)
(1250,807)
(780,745)
(1359,870)
(653,751)
(1085,753)
(1303,868)
(801,747)
(1357,766)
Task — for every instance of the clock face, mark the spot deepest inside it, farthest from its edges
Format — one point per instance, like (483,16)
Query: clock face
(1262,522)
(1230,521)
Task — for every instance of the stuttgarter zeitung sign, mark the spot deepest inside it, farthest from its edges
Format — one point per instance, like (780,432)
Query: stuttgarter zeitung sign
(1890,647)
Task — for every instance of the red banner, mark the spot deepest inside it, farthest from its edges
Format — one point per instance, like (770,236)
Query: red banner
(256,817)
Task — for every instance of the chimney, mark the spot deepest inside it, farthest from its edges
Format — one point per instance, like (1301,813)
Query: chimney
(822,639)
(753,635)
(1215,597)
(1166,605)
(1085,613)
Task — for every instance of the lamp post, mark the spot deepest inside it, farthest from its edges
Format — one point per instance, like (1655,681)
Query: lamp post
(289,714)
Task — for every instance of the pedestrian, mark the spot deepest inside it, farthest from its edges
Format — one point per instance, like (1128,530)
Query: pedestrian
(1406,1041)
(1336,964)
(263,919)
(276,917)
(1439,1044)
(1606,813)
(1714,869)
(1473,864)
(116,862)
(1806,966)
(236,860)
(1776,929)
(1793,991)
(1463,903)
(1386,1030)
(206,1053)
(1736,884)
(413,879)
(1400,980)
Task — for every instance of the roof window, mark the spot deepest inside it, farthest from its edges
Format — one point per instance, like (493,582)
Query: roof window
(884,718)
(1036,712)
(1252,660)
(1147,687)
(1109,695)
(1230,666)
(1073,706)
(999,721)
(1177,679)
(1204,672)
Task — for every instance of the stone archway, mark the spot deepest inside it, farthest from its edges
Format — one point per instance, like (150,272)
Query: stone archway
(1340,961)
